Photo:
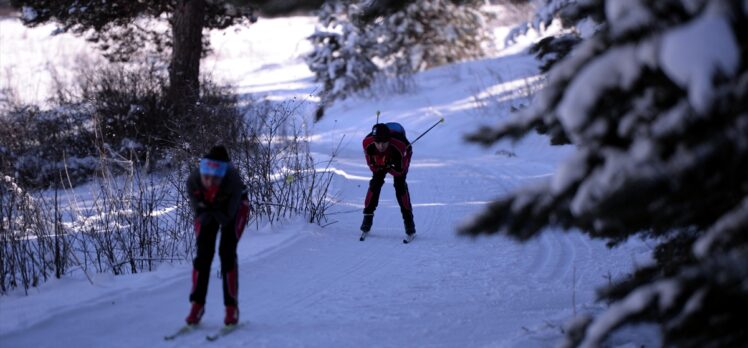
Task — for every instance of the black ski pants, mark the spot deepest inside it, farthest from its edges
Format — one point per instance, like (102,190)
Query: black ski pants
(401,192)
(206,233)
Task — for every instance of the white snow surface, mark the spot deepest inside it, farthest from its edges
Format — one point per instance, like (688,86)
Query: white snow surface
(306,286)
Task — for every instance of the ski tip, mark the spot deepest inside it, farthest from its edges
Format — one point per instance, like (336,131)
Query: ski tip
(224,331)
(183,330)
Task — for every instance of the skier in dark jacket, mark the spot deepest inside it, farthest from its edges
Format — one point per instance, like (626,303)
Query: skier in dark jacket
(218,198)
(387,150)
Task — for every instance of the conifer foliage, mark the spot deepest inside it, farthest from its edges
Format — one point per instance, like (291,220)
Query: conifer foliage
(352,44)
(656,103)
(116,27)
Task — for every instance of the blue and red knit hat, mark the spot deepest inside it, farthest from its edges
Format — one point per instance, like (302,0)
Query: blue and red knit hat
(216,162)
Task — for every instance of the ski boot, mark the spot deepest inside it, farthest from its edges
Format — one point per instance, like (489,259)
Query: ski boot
(196,313)
(232,316)
(410,225)
(366,224)
(410,228)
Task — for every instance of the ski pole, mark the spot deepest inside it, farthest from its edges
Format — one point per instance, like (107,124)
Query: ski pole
(377,117)
(441,120)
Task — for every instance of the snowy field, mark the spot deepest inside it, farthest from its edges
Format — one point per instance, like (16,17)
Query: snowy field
(306,286)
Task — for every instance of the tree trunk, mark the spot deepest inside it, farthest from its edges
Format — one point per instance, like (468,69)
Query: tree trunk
(184,69)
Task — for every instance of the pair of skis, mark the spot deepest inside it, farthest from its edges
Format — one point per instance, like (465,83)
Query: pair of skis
(211,337)
(406,240)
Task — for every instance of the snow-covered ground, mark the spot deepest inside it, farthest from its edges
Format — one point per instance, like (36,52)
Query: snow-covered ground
(306,286)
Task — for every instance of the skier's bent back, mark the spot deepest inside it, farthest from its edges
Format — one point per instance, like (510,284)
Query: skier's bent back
(387,150)
(218,199)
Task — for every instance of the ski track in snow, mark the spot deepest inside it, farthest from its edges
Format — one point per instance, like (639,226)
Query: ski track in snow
(324,288)
(329,289)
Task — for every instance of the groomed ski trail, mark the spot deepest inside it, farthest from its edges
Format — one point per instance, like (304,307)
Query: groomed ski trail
(328,289)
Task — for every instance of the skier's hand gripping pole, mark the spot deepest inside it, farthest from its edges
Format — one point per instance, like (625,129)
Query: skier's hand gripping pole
(441,120)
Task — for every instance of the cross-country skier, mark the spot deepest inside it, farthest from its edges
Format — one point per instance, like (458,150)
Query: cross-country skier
(218,198)
(387,150)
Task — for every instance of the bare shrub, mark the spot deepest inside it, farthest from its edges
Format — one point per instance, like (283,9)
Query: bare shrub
(273,155)
(119,111)
(126,220)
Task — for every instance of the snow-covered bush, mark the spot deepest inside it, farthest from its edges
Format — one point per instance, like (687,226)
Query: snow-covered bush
(350,49)
(43,147)
(656,104)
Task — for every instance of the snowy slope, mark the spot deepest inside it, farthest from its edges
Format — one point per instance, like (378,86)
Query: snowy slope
(305,286)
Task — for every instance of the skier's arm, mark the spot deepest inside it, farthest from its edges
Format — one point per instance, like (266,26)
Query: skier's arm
(193,193)
(371,158)
(399,159)
(237,188)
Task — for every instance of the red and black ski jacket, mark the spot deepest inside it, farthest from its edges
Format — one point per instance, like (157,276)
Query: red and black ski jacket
(396,159)
(222,202)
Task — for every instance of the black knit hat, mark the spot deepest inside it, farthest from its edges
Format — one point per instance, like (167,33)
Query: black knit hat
(218,153)
(381,132)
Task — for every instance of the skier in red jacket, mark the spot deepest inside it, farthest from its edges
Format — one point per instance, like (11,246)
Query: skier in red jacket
(387,150)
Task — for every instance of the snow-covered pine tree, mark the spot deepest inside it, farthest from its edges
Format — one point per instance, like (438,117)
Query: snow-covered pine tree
(429,33)
(656,104)
(341,58)
(352,45)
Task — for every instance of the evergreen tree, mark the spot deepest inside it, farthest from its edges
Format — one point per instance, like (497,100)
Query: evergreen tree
(113,26)
(656,103)
(351,47)
(426,34)
(341,59)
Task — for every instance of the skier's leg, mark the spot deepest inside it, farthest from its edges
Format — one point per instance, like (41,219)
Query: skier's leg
(230,235)
(206,229)
(372,196)
(372,200)
(403,199)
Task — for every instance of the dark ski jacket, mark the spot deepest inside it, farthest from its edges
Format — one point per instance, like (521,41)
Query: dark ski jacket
(224,202)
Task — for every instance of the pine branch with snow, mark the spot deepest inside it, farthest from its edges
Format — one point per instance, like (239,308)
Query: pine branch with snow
(655,101)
